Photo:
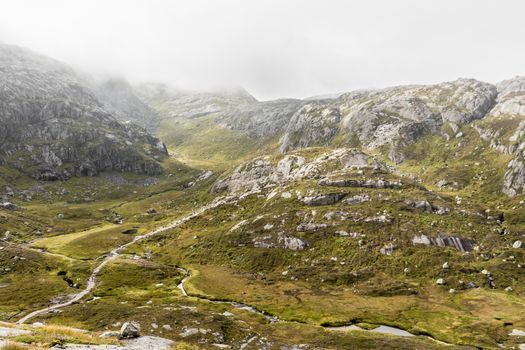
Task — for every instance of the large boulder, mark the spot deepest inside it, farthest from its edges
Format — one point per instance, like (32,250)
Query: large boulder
(130,329)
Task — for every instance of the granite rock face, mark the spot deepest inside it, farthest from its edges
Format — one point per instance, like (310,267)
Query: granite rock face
(315,124)
(394,117)
(53,127)
(460,243)
(261,173)
(262,120)
(511,104)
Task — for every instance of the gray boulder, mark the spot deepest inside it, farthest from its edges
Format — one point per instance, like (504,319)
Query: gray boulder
(8,206)
(324,199)
(460,243)
(388,249)
(294,243)
(311,227)
(130,329)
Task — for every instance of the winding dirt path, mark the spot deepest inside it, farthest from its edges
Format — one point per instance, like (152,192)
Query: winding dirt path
(115,253)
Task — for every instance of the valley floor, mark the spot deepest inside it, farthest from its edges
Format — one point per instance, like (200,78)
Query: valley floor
(210,270)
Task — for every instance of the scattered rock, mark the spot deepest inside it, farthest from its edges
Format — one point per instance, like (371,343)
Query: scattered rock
(151,211)
(518,244)
(294,243)
(387,249)
(470,285)
(517,333)
(440,281)
(311,227)
(361,183)
(286,195)
(8,206)
(347,234)
(324,199)
(427,207)
(382,219)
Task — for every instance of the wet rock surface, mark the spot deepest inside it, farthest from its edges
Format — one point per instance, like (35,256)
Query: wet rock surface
(460,243)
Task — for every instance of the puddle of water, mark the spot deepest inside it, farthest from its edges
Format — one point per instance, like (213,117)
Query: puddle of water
(392,330)
(381,329)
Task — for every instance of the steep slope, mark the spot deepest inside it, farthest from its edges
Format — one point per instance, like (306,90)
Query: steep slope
(53,127)
(120,99)
(261,120)
(175,103)
(504,128)
(389,118)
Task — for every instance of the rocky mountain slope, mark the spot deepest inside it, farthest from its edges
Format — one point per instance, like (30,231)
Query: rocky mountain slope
(120,99)
(387,218)
(52,126)
(390,121)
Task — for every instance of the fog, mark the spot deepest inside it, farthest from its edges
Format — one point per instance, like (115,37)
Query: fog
(276,48)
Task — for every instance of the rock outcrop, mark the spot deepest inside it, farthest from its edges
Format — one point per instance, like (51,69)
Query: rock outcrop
(260,173)
(460,243)
(261,120)
(394,117)
(53,127)
(315,124)
(324,199)
(360,183)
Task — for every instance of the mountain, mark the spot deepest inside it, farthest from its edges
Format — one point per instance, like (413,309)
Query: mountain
(120,99)
(388,218)
(53,126)
(391,120)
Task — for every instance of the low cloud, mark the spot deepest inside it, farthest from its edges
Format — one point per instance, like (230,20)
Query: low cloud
(276,48)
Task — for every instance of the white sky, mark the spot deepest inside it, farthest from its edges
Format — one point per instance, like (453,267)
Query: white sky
(276,48)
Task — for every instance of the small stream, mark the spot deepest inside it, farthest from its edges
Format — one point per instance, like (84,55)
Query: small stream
(237,305)
(115,253)
(274,319)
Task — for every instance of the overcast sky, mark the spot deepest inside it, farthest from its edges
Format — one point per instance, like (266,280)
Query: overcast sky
(280,48)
